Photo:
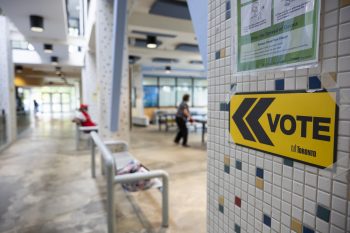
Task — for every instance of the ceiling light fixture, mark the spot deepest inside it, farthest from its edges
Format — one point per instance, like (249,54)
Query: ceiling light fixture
(48,48)
(19,69)
(167,69)
(54,60)
(151,42)
(36,23)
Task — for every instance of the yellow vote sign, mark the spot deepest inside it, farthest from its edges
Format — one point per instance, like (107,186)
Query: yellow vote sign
(297,125)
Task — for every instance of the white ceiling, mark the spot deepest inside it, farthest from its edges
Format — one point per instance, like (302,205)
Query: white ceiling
(55,17)
(139,19)
(53,11)
(55,32)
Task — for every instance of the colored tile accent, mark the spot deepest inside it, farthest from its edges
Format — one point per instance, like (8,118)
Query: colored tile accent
(237,228)
(344,3)
(227,169)
(238,201)
(267,220)
(260,172)
(221,200)
(279,84)
(221,208)
(288,162)
(314,82)
(221,204)
(238,165)
(228,5)
(329,80)
(227,160)
(222,53)
(227,164)
(307,230)
(259,183)
(228,14)
(323,213)
(296,226)
(224,107)
(217,55)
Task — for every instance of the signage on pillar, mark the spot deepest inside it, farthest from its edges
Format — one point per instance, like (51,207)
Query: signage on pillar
(296,125)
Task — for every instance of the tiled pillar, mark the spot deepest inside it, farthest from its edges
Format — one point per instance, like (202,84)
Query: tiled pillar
(137,85)
(104,26)
(7,94)
(90,85)
(252,191)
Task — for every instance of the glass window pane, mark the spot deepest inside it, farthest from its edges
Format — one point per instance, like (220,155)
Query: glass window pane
(201,82)
(46,108)
(150,97)
(56,98)
(65,108)
(200,97)
(46,98)
(56,107)
(150,81)
(181,91)
(65,98)
(167,81)
(184,82)
(167,96)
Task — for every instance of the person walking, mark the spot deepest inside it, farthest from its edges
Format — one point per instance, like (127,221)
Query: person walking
(36,107)
(182,115)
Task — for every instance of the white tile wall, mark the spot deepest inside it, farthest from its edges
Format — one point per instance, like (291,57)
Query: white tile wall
(288,191)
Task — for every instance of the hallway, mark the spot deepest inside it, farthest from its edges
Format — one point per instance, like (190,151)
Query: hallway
(46,185)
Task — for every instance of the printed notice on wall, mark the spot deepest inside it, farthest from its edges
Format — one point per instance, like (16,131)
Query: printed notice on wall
(276,33)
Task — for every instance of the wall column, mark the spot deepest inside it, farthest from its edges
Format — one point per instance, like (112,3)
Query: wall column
(7,94)
(137,85)
(90,85)
(104,35)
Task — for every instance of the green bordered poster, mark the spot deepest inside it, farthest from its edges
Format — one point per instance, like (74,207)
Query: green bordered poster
(276,33)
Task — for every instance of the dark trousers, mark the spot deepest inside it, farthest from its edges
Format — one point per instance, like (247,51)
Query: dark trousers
(183,131)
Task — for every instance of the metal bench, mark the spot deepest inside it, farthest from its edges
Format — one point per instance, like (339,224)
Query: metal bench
(111,162)
(80,130)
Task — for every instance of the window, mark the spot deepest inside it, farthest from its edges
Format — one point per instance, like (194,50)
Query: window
(200,92)
(167,97)
(150,98)
(168,92)
(184,86)
(150,81)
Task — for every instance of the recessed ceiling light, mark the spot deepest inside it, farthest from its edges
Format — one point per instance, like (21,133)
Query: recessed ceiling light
(30,47)
(54,60)
(48,48)
(167,69)
(151,42)
(36,23)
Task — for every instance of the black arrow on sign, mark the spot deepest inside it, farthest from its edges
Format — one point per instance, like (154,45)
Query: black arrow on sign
(253,120)
(238,118)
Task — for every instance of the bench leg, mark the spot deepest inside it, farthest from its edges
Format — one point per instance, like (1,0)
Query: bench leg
(110,200)
(93,159)
(77,138)
(165,202)
(102,166)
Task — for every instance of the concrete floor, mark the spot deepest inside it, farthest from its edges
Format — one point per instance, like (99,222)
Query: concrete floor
(46,187)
